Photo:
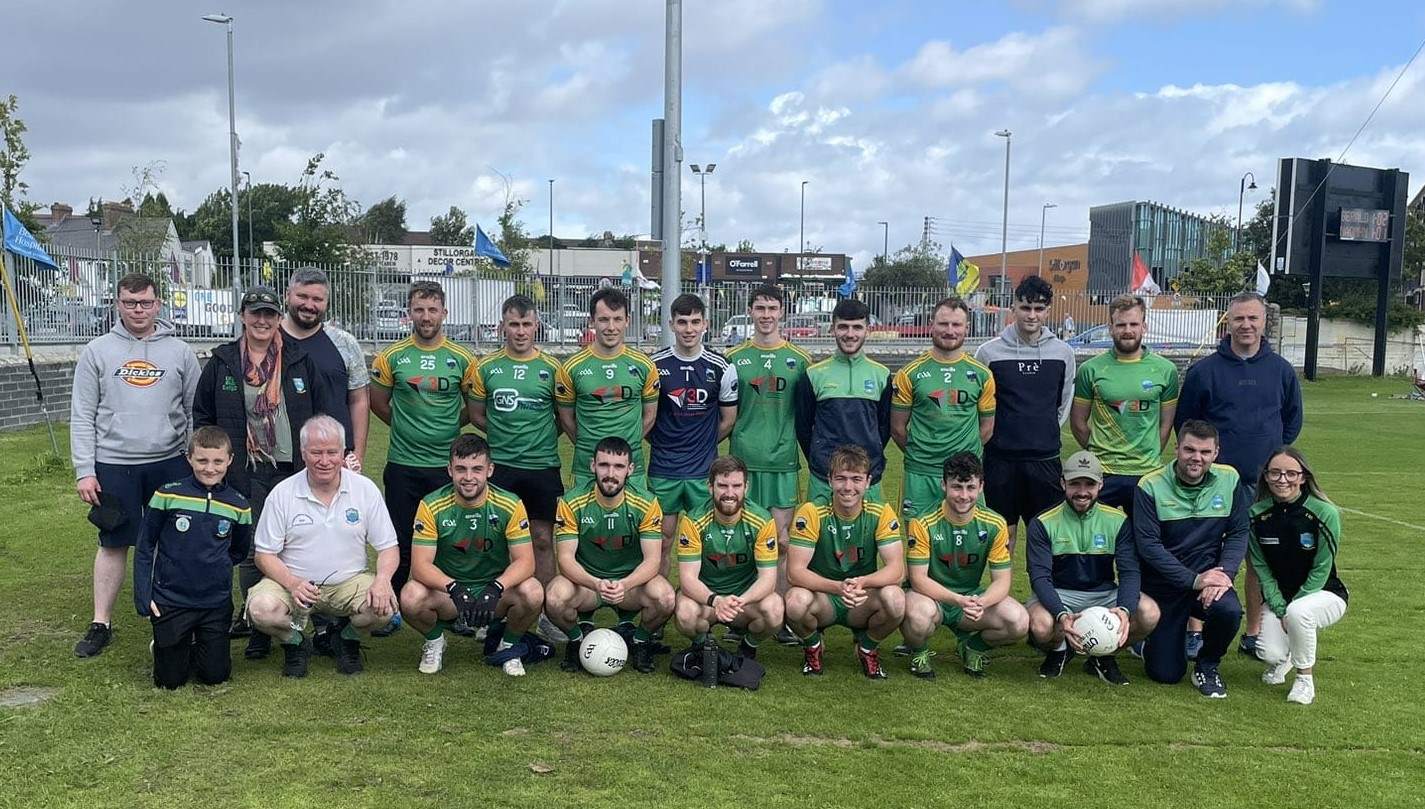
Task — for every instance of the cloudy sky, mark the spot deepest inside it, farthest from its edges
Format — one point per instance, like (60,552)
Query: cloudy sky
(887,108)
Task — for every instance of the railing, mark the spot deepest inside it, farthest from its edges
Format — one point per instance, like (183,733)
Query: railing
(75,303)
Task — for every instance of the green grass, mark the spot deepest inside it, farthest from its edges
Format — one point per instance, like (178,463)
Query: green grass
(392,737)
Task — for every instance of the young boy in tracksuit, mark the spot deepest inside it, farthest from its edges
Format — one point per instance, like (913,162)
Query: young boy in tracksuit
(196,529)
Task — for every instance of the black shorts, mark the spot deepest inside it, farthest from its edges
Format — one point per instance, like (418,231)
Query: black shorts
(1118,491)
(134,485)
(538,489)
(1020,490)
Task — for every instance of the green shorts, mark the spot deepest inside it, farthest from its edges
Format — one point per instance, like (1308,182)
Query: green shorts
(840,613)
(950,616)
(920,493)
(773,489)
(819,491)
(586,478)
(680,495)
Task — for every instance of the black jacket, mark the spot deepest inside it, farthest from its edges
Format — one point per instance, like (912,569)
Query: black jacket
(191,538)
(219,402)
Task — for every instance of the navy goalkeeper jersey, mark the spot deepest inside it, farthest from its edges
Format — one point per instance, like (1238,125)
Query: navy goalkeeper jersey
(683,441)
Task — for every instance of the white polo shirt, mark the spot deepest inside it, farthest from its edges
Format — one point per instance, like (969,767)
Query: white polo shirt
(320,543)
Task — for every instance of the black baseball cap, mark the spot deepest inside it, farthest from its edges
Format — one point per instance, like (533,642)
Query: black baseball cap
(257,299)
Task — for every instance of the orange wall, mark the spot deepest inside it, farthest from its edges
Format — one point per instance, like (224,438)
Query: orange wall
(1066,267)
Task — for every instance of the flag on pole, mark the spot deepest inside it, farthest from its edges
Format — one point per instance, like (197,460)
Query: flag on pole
(969,278)
(19,241)
(952,268)
(848,287)
(1264,281)
(486,248)
(1143,283)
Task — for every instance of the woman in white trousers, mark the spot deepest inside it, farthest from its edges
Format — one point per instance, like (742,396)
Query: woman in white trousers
(1296,534)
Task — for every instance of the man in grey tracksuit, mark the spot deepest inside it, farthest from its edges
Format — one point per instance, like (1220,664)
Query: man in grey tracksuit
(130,414)
(1034,389)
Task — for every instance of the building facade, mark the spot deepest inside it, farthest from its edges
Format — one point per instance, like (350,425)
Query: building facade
(1166,238)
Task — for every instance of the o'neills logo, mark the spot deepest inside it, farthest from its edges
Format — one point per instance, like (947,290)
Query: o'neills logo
(139,373)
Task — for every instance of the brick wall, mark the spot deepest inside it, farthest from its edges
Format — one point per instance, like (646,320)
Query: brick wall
(18,406)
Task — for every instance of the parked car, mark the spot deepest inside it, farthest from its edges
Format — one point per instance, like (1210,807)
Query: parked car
(392,321)
(802,327)
(556,329)
(736,329)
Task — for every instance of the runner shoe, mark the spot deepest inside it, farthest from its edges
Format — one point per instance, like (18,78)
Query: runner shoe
(513,667)
(786,637)
(1136,649)
(1248,646)
(547,630)
(1303,690)
(1055,660)
(296,657)
(1276,675)
(432,655)
(259,646)
(1192,644)
(240,628)
(811,658)
(389,629)
(461,628)
(1209,682)
(920,665)
(1106,669)
(870,663)
(643,657)
(973,661)
(95,639)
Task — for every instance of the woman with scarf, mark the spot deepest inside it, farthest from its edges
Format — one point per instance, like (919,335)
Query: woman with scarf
(1296,534)
(260,392)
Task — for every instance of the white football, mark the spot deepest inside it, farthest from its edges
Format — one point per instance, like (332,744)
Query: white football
(603,653)
(1099,627)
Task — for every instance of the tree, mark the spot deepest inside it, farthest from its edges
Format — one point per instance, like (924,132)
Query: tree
(323,219)
(145,231)
(155,206)
(915,266)
(384,222)
(1212,275)
(271,204)
(746,246)
(13,158)
(452,229)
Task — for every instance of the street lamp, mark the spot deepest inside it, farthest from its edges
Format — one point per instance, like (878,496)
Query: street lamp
(227,20)
(1242,189)
(551,227)
(251,254)
(703,216)
(885,242)
(1004,226)
(1042,212)
(802,246)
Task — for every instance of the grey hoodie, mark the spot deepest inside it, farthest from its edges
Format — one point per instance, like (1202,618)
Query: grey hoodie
(133,399)
(1034,388)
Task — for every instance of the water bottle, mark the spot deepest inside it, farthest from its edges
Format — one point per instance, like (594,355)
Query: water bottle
(300,614)
(711,653)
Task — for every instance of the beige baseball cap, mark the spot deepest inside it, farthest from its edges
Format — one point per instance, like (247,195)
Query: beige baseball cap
(1083,464)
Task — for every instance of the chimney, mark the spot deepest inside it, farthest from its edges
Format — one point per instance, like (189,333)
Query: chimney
(58,212)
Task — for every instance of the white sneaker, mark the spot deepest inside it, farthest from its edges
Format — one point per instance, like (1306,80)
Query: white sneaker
(1276,675)
(432,655)
(1303,690)
(513,667)
(547,630)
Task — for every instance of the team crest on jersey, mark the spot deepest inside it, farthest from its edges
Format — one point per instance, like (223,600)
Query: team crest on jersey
(912,542)
(229,384)
(970,374)
(869,385)
(801,523)
(709,374)
(353,516)
(403,360)
(684,541)
(494,519)
(524,525)
(771,543)
(450,362)
(299,384)
(984,535)
(1308,541)
(895,525)
(496,371)
(746,361)
(181,524)
(1147,384)
(1100,541)
(225,527)
(139,373)
(420,527)
(543,375)
(791,362)
(586,520)
(1217,502)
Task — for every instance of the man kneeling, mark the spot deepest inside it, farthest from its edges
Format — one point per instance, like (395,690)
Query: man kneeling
(471,558)
(1074,548)
(949,549)
(608,538)
(727,562)
(311,548)
(831,566)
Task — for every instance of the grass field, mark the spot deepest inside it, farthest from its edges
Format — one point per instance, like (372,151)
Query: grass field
(394,738)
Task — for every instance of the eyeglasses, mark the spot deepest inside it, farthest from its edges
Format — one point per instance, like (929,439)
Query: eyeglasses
(145,305)
(1284,474)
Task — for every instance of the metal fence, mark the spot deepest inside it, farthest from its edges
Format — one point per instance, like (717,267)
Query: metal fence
(200,297)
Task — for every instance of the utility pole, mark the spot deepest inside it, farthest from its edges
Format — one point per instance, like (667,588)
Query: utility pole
(672,164)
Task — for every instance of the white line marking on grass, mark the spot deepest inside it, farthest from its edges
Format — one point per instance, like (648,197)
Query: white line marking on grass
(1382,519)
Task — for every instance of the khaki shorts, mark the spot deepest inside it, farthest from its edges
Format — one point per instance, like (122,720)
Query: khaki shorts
(337,600)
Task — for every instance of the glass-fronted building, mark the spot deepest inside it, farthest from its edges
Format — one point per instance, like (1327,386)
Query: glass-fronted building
(1166,238)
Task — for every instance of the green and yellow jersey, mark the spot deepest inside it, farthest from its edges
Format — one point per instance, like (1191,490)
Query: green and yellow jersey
(1126,399)
(607,395)
(946,401)
(730,553)
(958,554)
(472,543)
(844,548)
(428,390)
(519,408)
(765,435)
(610,539)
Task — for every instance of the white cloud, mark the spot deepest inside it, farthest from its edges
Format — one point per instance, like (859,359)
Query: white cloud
(1054,63)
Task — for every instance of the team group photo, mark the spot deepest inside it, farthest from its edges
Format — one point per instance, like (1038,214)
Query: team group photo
(634,402)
